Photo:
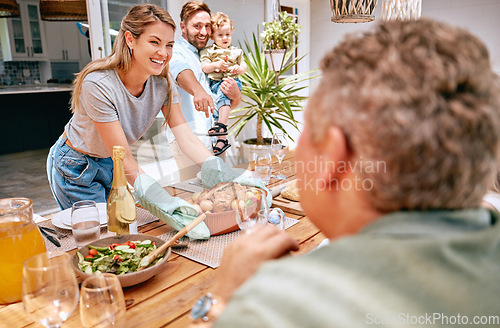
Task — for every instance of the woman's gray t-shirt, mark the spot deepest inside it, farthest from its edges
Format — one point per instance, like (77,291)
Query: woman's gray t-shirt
(104,98)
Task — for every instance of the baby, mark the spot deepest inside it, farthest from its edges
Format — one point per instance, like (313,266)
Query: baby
(221,60)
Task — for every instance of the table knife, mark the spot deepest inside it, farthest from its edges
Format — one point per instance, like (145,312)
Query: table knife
(52,239)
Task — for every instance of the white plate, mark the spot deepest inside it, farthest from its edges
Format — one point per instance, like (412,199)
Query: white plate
(63,219)
(248,174)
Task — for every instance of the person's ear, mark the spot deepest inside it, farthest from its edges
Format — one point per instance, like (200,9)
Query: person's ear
(183,27)
(129,39)
(334,155)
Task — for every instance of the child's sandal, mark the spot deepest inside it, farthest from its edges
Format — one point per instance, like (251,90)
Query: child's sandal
(219,129)
(217,150)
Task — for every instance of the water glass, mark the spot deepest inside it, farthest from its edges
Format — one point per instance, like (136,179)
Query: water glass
(50,289)
(274,216)
(263,167)
(102,303)
(279,147)
(250,202)
(85,222)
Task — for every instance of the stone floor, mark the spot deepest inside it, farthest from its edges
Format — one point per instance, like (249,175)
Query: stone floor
(24,175)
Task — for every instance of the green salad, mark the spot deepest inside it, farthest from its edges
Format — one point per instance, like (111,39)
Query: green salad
(117,258)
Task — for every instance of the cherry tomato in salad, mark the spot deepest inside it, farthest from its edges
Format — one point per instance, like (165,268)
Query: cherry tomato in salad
(113,245)
(89,256)
(93,252)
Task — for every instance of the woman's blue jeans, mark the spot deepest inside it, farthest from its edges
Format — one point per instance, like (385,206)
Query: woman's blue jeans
(74,176)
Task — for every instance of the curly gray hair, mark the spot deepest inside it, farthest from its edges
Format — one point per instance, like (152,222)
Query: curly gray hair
(421,97)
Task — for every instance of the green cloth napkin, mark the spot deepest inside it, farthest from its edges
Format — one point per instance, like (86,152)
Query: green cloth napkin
(174,211)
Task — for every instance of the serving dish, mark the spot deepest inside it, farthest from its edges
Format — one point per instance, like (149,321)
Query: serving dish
(127,279)
(221,223)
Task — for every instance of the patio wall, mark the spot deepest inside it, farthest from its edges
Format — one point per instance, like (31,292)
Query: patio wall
(478,16)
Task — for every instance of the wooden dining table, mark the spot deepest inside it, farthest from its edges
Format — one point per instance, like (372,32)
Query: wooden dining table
(166,299)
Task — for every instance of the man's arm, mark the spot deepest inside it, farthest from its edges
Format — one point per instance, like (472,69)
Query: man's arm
(203,102)
(190,145)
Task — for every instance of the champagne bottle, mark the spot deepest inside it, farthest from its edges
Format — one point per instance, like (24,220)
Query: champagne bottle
(121,205)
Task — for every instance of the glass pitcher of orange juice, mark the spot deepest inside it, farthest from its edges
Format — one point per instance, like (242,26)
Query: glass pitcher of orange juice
(20,239)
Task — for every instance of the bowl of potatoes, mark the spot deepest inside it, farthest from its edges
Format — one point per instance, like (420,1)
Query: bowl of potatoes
(219,204)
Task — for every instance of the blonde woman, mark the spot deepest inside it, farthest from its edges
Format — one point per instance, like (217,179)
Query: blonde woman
(115,100)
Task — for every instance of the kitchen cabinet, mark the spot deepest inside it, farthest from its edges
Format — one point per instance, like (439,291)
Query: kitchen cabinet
(63,41)
(23,38)
(37,125)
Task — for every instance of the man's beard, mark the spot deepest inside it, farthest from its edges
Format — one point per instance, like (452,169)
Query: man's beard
(195,42)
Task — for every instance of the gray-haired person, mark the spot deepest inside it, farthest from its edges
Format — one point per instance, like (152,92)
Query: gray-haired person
(404,129)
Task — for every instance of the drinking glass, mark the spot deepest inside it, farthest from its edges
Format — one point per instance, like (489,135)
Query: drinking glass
(85,222)
(50,290)
(279,147)
(274,216)
(263,167)
(102,303)
(250,202)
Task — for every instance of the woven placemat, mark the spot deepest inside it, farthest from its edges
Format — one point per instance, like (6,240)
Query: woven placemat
(209,252)
(67,241)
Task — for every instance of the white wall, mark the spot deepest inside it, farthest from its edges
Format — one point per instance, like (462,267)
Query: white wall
(247,15)
(481,17)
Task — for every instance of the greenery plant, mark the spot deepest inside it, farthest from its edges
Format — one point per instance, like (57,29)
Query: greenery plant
(281,33)
(270,103)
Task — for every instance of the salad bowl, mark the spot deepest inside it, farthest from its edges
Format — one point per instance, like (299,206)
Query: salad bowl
(129,278)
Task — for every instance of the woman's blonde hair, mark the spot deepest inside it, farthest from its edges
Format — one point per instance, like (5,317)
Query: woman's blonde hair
(135,22)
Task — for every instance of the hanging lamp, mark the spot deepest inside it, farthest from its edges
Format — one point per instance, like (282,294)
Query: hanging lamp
(401,9)
(353,11)
(9,8)
(63,10)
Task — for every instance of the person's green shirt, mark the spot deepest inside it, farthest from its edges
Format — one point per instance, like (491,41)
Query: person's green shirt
(407,269)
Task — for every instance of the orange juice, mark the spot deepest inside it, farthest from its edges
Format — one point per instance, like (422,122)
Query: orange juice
(19,241)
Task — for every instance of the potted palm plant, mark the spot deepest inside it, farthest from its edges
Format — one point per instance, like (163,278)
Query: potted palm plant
(279,36)
(272,103)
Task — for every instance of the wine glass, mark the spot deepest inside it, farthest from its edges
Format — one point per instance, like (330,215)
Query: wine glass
(85,222)
(50,290)
(274,216)
(102,303)
(249,203)
(263,167)
(279,147)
